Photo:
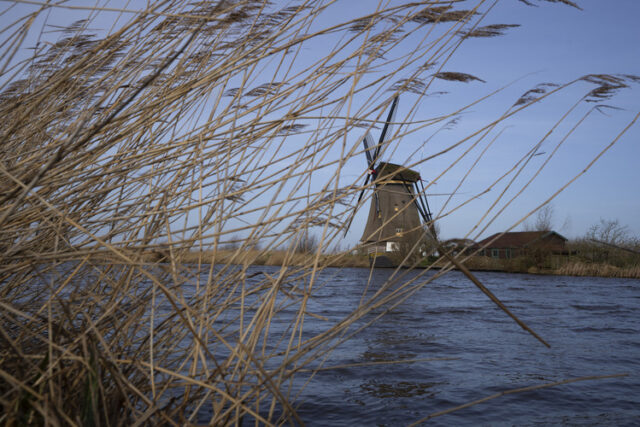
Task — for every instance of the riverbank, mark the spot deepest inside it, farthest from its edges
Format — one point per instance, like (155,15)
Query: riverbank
(261,257)
(557,265)
(554,265)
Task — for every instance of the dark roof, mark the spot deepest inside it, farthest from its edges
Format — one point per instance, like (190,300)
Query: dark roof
(517,239)
(392,171)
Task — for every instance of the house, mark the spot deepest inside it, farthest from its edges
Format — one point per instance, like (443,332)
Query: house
(515,244)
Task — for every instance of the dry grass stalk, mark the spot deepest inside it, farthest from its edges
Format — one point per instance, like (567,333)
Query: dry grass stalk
(514,391)
(131,160)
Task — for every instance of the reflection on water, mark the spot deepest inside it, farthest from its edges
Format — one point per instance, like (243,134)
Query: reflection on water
(399,389)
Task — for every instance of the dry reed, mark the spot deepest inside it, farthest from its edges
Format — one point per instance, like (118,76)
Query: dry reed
(578,268)
(133,158)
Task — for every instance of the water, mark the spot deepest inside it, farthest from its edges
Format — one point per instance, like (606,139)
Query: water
(592,325)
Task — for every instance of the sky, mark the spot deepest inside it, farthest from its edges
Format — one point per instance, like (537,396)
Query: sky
(554,43)
(558,44)
(562,43)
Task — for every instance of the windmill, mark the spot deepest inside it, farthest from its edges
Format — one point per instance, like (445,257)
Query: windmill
(399,206)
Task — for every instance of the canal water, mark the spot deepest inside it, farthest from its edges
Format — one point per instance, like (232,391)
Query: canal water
(592,325)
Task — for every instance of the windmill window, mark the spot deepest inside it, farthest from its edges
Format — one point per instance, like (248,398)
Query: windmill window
(399,230)
(495,253)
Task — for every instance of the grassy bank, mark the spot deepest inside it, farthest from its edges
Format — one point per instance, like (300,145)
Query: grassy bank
(577,268)
(553,265)
(273,258)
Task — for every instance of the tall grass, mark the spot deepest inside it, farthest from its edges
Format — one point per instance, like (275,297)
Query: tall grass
(133,139)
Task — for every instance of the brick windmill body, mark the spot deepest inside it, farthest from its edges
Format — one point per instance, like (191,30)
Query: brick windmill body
(398,209)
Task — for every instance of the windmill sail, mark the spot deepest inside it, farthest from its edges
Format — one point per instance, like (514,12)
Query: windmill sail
(387,127)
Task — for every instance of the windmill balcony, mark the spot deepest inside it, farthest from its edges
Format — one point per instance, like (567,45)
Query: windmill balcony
(374,250)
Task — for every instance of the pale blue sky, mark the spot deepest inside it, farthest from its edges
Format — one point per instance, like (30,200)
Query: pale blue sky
(557,44)
(560,44)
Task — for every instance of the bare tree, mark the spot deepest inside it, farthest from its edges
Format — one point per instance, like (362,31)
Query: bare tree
(543,220)
(609,231)
(233,242)
(308,243)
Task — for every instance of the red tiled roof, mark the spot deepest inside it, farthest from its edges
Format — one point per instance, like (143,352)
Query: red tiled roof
(516,239)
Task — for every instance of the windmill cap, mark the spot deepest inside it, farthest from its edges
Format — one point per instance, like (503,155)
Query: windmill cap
(396,172)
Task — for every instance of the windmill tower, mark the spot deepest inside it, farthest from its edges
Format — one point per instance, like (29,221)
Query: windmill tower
(399,206)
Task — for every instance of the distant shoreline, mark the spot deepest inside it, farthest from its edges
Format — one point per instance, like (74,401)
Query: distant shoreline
(560,266)
(556,266)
